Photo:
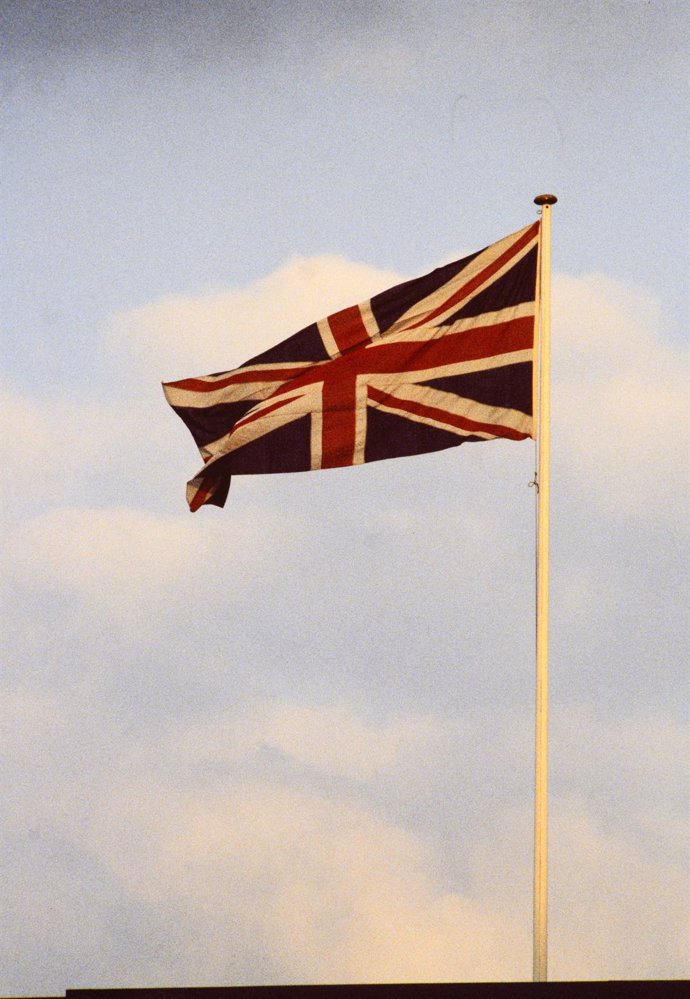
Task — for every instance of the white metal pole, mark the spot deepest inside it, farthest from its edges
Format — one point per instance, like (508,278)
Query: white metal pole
(540,897)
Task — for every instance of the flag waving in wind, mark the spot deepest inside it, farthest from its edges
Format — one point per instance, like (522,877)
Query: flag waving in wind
(429,364)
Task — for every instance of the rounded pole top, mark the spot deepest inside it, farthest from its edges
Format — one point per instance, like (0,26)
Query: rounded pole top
(545,199)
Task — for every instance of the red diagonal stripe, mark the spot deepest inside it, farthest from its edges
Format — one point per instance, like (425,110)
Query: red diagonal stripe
(201,496)
(240,377)
(257,413)
(443,416)
(478,279)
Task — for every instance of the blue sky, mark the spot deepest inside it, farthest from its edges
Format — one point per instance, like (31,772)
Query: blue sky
(291,741)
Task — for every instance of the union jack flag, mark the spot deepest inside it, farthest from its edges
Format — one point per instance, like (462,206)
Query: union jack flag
(429,364)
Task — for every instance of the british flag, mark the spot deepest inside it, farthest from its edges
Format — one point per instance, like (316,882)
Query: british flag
(426,365)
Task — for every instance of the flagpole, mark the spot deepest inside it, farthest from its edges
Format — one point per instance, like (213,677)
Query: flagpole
(540,896)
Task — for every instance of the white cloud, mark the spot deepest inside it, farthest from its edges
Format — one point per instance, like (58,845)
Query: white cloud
(330,740)
(102,551)
(619,400)
(33,725)
(39,453)
(337,742)
(648,746)
(61,450)
(326,888)
(330,892)
(286,883)
(130,561)
(181,336)
(617,912)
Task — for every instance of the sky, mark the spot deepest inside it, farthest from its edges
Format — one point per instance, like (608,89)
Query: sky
(291,741)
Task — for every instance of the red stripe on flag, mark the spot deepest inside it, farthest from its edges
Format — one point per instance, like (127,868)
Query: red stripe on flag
(450,348)
(263,411)
(339,422)
(238,378)
(443,416)
(348,328)
(200,497)
(478,279)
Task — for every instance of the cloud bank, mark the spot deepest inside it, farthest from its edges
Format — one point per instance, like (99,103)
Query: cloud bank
(289,742)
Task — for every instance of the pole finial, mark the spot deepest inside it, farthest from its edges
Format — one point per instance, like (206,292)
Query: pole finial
(545,199)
